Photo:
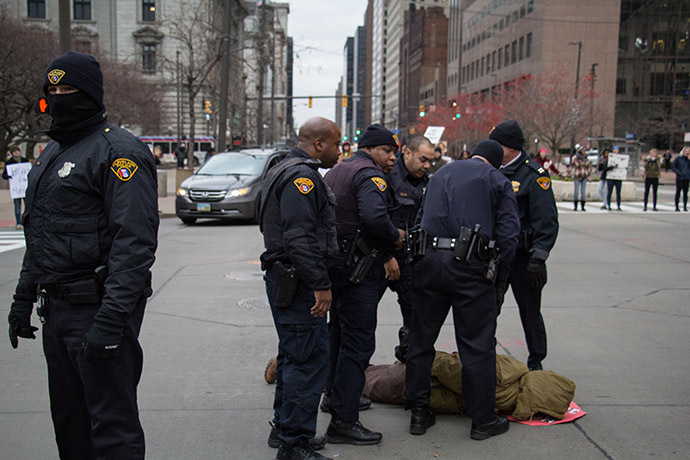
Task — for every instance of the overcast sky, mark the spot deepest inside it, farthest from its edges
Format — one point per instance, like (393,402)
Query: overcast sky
(319,29)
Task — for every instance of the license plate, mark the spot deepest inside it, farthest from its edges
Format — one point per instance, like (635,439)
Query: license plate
(203,207)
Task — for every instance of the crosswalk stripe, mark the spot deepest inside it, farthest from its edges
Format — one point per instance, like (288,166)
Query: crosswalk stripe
(11,240)
(634,207)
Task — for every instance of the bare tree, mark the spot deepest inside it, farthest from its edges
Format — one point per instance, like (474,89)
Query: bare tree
(129,97)
(192,26)
(25,53)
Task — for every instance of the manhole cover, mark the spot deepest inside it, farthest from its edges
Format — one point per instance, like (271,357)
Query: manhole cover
(254,303)
(245,276)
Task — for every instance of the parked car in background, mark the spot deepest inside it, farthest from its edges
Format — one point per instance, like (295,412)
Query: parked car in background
(592,156)
(228,186)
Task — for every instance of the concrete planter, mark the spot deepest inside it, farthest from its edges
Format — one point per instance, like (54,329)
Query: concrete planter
(563,190)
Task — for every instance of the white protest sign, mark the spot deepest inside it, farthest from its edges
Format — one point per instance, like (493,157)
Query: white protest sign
(620,164)
(434,133)
(18,173)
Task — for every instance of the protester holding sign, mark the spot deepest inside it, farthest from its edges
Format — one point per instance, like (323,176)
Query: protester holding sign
(19,176)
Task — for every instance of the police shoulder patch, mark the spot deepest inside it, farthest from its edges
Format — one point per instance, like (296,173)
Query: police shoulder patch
(304,184)
(55,75)
(380,183)
(544,182)
(124,168)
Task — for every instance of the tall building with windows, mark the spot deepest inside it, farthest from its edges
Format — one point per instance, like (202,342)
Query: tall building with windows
(505,40)
(143,33)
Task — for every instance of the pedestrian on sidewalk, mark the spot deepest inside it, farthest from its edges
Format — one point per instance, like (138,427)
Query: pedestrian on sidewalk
(580,170)
(612,184)
(667,160)
(681,166)
(603,168)
(15,158)
(652,170)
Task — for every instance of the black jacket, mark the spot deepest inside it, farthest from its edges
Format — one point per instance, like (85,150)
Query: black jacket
(298,221)
(92,203)
(536,205)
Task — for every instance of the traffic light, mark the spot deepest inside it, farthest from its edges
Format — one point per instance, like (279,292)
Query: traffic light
(207,107)
(422,112)
(358,131)
(458,115)
(310,100)
(345,101)
(42,105)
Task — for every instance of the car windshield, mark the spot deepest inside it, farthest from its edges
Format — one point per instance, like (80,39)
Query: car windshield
(241,164)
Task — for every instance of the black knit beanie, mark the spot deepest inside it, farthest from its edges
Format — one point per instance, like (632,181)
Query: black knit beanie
(509,134)
(377,135)
(491,150)
(79,70)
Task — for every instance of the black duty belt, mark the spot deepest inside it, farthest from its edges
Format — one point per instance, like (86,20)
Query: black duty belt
(441,243)
(56,291)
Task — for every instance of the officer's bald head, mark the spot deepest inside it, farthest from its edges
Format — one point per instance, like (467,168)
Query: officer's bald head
(320,139)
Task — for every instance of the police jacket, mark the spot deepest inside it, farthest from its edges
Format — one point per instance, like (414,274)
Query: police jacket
(536,205)
(360,193)
(298,220)
(465,193)
(681,166)
(92,203)
(405,194)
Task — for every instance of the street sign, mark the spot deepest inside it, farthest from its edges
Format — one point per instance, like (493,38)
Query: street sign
(434,133)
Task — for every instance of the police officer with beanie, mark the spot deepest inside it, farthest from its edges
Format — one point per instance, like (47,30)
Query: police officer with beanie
(469,212)
(365,234)
(298,223)
(407,182)
(90,225)
(538,231)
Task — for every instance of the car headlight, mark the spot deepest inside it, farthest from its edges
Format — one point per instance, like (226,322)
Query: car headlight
(238,192)
(182,192)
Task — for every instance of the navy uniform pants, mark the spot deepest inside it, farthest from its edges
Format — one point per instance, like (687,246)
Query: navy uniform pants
(352,329)
(93,405)
(302,365)
(528,299)
(441,282)
(402,287)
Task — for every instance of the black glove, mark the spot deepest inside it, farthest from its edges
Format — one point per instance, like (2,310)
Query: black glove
(102,342)
(20,321)
(536,272)
(501,289)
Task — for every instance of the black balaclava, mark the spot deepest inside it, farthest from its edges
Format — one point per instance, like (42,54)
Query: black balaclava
(75,115)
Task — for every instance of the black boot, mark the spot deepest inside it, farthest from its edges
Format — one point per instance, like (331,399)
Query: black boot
(305,452)
(574,205)
(342,432)
(422,418)
(582,203)
(401,350)
(484,431)
(316,443)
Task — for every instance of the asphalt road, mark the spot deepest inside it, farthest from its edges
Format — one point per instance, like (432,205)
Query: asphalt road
(616,310)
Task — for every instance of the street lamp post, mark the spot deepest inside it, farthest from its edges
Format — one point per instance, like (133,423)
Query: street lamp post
(591,98)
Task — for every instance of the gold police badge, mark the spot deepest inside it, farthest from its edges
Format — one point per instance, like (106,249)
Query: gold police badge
(124,168)
(516,186)
(303,184)
(544,182)
(55,75)
(380,183)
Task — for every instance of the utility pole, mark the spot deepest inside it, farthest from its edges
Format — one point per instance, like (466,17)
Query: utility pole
(262,75)
(577,86)
(271,136)
(64,25)
(224,76)
(179,98)
(593,75)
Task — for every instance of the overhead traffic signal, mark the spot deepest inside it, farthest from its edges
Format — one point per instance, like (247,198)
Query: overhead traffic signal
(310,101)
(207,107)
(345,101)
(422,112)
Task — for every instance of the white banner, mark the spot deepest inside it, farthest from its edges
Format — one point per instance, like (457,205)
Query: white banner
(620,163)
(434,133)
(18,173)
